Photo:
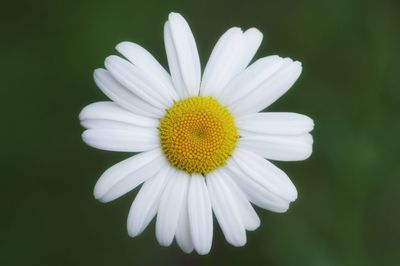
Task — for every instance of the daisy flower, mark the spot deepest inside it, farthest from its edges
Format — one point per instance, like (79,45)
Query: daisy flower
(203,145)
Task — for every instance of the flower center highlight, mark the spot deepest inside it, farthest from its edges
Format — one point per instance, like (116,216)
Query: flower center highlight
(197,134)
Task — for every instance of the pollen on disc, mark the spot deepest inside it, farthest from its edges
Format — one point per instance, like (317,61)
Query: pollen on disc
(197,134)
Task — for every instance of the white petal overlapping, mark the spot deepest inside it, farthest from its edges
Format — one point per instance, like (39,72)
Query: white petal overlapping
(286,124)
(256,192)
(141,90)
(124,97)
(170,208)
(145,206)
(138,82)
(110,127)
(128,174)
(182,55)
(280,148)
(247,213)
(276,136)
(183,235)
(231,55)
(265,173)
(261,84)
(200,214)
(110,115)
(141,58)
(226,209)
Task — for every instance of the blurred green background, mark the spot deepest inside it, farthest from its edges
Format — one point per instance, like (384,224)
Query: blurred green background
(348,210)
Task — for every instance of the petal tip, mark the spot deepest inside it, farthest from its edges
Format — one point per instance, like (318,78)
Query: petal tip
(298,64)
(132,232)
(283,210)
(203,252)
(84,136)
(98,72)
(186,249)
(255,225)
(110,60)
(256,32)
(82,113)
(174,14)
(294,196)
(123,45)
(97,193)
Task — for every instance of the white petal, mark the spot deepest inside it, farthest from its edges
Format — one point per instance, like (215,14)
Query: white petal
(200,214)
(170,207)
(280,148)
(256,192)
(122,138)
(138,82)
(232,53)
(250,79)
(122,96)
(225,210)
(183,235)
(128,174)
(260,84)
(274,124)
(145,205)
(141,58)
(249,217)
(110,115)
(183,58)
(266,174)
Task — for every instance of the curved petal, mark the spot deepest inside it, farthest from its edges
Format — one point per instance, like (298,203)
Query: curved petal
(121,138)
(256,192)
(146,203)
(249,217)
(183,235)
(122,96)
(265,173)
(231,55)
(138,82)
(274,124)
(110,115)
(250,78)
(141,58)
(170,207)
(280,148)
(182,55)
(200,214)
(128,174)
(261,84)
(225,209)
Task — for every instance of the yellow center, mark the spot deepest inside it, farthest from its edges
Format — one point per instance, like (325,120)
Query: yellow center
(197,134)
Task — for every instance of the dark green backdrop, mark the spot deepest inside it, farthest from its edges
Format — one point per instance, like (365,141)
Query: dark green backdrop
(347,212)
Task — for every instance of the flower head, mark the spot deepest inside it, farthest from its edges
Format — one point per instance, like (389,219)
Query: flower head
(203,143)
